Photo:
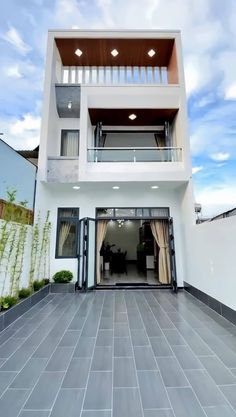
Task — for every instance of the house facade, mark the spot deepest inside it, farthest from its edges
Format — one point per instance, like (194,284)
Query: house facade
(114,161)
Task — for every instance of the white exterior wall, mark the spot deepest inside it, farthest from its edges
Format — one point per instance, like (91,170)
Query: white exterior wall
(211,259)
(92,196)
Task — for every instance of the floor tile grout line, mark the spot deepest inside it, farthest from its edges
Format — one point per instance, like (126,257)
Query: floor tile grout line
(18,372)
(22,317)
(48,359)
(91,361)
(23,339)
(132,347)
(199,356)
(165,388)
(69,362)
(200,370)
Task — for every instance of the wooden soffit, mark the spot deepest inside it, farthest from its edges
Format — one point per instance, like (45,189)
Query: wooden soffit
(120,117)
(132,52)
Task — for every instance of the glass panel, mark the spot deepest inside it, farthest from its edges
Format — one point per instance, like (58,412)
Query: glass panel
(136,79)
(146,212)
(125,212)
(108,75)
(68,212)
(80,75)
(91,253)
(149,75)
(129,75)
(122,75)
(94,75)
(87,75)
(65,76)
(142,75)
(156,75)
(160,212)
(101,75)
(115,75)
(81,249)
(164,75)
(66,238)
(105,212)
(70,143)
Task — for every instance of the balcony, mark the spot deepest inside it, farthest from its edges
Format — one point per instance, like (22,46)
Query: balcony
(62,169)
(138,154)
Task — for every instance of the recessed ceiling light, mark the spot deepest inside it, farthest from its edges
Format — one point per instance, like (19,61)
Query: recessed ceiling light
(69,105)
(132,116)
(114,52)
(115,187)
(154,187)
(78,52)
(76,187)
(151,53)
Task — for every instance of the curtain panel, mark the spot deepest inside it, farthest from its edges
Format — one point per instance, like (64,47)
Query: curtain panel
(160,233)
(101,233)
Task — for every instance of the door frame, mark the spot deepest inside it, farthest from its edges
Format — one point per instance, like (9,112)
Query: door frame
(169,219)
(82,255)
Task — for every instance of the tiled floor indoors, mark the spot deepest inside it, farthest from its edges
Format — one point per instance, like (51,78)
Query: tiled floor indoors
(119,354)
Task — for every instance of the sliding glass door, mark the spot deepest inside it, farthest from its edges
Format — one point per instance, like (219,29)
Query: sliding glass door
(86,267)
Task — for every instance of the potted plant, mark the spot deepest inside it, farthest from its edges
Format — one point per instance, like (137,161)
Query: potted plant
(62,282)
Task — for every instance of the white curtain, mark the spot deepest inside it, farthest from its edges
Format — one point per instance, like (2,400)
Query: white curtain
(161,235)
(70,144)
(64,233)
(101,233)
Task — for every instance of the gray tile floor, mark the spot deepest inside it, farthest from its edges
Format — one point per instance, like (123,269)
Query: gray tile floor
(133,275)
(119,354)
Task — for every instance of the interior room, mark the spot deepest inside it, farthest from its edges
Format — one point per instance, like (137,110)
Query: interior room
(129,253)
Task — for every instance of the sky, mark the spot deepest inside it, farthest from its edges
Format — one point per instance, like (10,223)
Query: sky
(208,29)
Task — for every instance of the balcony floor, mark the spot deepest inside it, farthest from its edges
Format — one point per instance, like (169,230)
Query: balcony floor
(118,354)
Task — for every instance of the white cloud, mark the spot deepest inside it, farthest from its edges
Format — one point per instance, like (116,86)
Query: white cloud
(215,200)
(27,123)
(220,156)
(230,93)
(13,72)
(13,37)
(195,170)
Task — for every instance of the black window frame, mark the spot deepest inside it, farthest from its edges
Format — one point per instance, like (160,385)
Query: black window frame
(75,220)
(63,131)
(135,216)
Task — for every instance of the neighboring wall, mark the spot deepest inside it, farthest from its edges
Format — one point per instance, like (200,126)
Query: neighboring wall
(16,173)
(211,259)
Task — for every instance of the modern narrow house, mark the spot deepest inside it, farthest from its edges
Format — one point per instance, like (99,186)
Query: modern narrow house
(114,161)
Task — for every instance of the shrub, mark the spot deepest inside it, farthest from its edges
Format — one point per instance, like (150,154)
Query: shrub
(8,301)
(63,276)
(46,281)
(24,292)
(38,284)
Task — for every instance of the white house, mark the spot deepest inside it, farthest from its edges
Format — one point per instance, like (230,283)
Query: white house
(114,160)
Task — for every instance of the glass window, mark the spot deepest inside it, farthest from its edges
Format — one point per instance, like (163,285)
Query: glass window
(136,79)
(103,212)
(160,212)
(149,75)
(70,143)
(108,75)
(122,75)
(129,75)
(143,75)
(80,75)
(115,75)
(67,232)
(101,75)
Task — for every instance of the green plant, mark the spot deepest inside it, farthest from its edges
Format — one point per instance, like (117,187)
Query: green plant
(24,292)
(38,284)
(46,281)
(63,276)
(8,301)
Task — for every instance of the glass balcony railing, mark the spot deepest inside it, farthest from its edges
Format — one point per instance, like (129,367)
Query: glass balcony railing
(134,154)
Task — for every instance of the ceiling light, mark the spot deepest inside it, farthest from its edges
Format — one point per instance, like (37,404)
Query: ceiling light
(151,53)
(69,105)
(114,52)
(154,187)
(115,187)
(78,52)
(132,116)
(76,187)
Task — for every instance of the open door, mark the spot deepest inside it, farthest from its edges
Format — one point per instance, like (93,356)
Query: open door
(86,256)
(172,256)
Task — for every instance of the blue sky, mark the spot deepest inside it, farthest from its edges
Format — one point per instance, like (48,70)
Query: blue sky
(209,49)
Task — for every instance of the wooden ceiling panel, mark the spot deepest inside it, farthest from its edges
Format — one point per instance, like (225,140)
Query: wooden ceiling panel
(120,117)
(97,52)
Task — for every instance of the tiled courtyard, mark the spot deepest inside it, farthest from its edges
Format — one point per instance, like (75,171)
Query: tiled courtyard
(118,354)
